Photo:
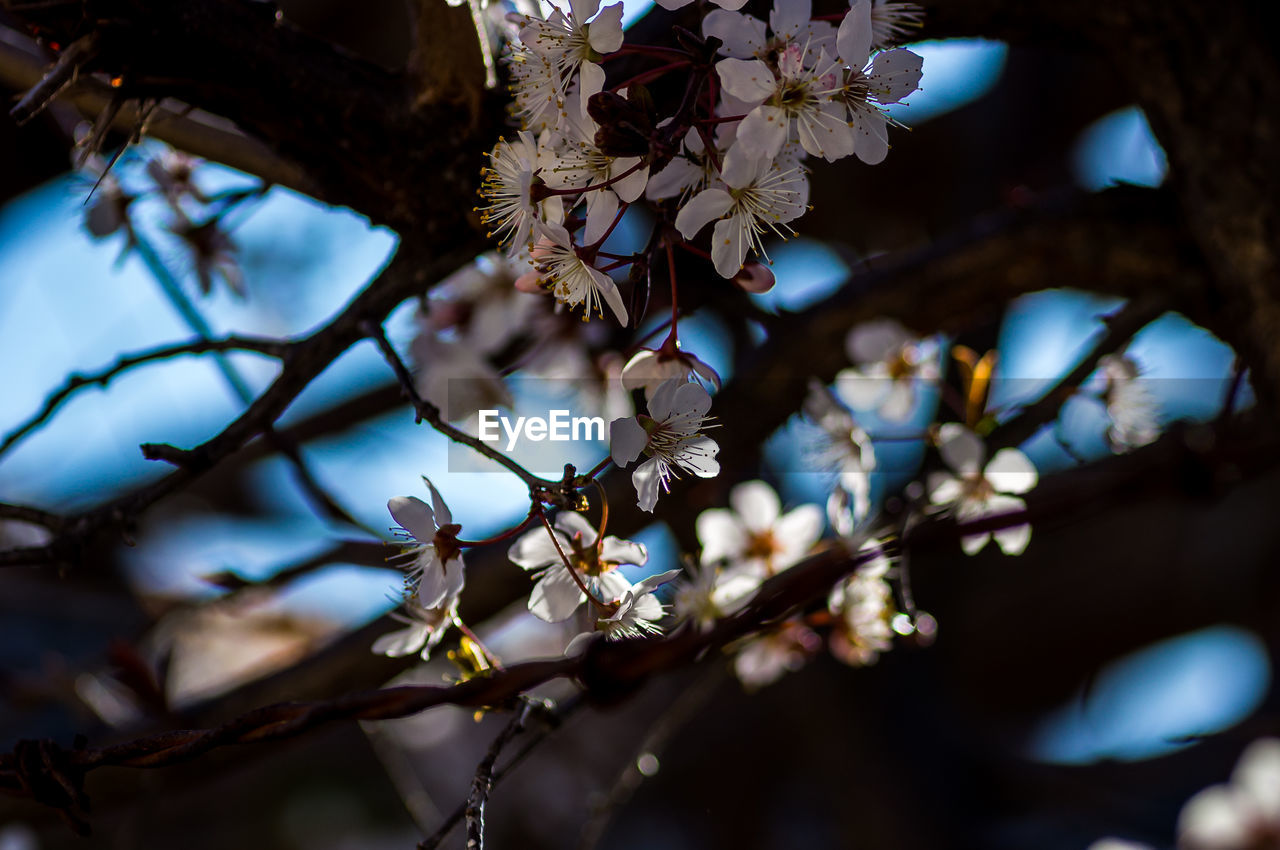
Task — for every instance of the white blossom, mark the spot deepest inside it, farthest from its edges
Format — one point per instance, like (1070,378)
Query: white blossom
(863,606)
(573,280)
(756,196)
(650,368)
(847,449)
(868,85)
(891,364)
(709,593)
(436,573)
(672,435)
(556,595)
(755,534)
(425,627)
(507,185)
(766,658)
(1134,411)
(1242,814)
(976,491)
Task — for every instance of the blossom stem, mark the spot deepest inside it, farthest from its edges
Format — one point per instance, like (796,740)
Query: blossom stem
(577,579)
(673,338)
(622,208)
(650,50)
(604,517)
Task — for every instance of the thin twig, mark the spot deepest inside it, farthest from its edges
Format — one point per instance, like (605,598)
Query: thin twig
(61,75)
(35,516)
(482,783)
(551,722)
(265,346)
(429,413)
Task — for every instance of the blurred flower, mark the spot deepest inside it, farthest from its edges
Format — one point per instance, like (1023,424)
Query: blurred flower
(1241,815)
(672,437)
(765,658)
(863,606)
(426,625)
(977,492)
(708,593)
(556,594)
(848,449)
(1134,411)
(755,535)
(891,363)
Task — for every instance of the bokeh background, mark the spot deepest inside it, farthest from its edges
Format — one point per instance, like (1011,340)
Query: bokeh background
(1084,689)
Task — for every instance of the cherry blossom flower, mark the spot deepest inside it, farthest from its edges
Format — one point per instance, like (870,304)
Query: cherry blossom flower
(846,448)
(976,492)
(455,377)
(650,368)
(581,164)
(708,593)
(572,279)
(863,606)
(1134,411)
(744,36)
(577,41)
(867,86)
(556,595)
(672,5)
(508,187)
(672,437)
(766,658)
(756,535)
(436,573)
(756,196)
(796,103)
(891,365)
(892,22)
(638,610)
(426,626)
(1242,814)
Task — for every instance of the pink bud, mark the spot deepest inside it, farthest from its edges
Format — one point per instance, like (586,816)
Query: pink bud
(530,282)
(753,277)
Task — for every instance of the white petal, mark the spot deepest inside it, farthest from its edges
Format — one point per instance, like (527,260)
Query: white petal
(743,35)
(632,186)
(899,404)
(443,516)
(699,457)
(691,398)
(573,523)
(878,339)
(853,39)
(895,75)
(861,391)
(440,582)
(413,515)
(706,206)
(740,170)
(961,449)
(555,596)
(944,489)
(1257,775)
(1010,471)
(679,175)
(729,245)
(602,206)
(763,132)
(645,480)
(605,32)
(871,137)
(662,402)
(789,16)
(627,438)
(721,534)
(619,551)
(653,582)
(672,5)
(609,292)
(749,80)
(974,543)
(534,550)
(757,504)
(800,528)
(401,643)
(1013,541)
(1214,818)
(732,5)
